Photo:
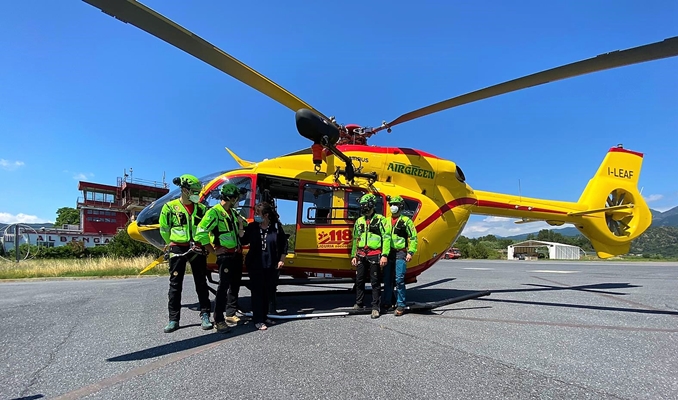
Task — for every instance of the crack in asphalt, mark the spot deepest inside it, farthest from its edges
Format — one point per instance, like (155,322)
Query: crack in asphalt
(52,355)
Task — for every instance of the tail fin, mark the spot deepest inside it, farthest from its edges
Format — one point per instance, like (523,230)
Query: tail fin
(616,213)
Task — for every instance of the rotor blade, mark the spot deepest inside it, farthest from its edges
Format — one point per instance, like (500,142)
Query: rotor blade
(137,14)
(619,58)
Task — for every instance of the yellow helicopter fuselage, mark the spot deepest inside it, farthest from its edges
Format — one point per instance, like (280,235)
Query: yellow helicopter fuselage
(438,199)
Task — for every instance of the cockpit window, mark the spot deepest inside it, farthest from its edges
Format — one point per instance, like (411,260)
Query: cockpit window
(244,202)
(151,214)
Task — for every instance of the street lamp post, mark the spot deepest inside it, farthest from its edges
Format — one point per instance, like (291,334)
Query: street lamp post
(16,242)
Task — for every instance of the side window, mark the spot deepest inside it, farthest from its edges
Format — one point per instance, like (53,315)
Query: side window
(244,205)
(411,208)
(317,204)
(353,204)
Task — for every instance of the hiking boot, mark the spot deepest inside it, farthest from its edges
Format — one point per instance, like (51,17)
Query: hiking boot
(171,326)
(375,314)
(222,327)
(399,311)
(233,320)
(206,324)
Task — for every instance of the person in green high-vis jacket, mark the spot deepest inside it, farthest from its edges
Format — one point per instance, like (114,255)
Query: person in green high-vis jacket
(403,247)
(219,231)
(371,246)
(179,219)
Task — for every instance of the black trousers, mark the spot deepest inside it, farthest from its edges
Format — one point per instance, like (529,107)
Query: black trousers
(234,285)
(368,265)
(177,270)
(273,299)
(262,287)
(228,264)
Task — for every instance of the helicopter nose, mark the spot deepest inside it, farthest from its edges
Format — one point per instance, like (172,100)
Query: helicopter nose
(133,232)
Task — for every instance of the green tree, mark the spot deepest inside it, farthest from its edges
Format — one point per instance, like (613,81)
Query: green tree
(482,250)
(291,230)
(67,215)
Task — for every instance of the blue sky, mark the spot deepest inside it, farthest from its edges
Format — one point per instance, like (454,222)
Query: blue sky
(84,95)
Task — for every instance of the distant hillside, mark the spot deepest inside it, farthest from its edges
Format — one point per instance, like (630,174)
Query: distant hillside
(657,240)
(666,218)
(569,231)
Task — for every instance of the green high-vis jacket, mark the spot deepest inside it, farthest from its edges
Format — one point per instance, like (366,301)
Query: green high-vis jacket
(176,224)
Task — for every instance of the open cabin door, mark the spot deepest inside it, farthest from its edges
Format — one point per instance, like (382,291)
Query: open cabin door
(325,218)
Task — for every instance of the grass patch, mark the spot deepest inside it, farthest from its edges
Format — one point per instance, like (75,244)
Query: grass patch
(83,267)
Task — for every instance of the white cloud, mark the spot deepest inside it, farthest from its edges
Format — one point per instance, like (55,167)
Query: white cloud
(498,219)
(83,176)
(7,218)
(653,197)
(10,165)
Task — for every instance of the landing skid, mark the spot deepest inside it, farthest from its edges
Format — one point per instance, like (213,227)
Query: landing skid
(412,307)
(292,281)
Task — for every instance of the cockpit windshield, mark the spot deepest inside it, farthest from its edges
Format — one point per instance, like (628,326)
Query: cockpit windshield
(244,183)
(151,214)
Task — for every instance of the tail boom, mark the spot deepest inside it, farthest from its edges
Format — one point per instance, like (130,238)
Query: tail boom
(610,212)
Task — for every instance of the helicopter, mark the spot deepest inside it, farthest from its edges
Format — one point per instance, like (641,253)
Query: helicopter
(327,179)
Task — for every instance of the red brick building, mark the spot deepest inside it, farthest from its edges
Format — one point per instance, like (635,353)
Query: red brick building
(105,208)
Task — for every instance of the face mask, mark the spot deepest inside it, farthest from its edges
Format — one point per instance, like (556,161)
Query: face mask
(258,218)
(194,198)
(394,209)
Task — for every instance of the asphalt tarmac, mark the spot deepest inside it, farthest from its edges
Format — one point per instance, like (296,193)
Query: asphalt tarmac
(557,330)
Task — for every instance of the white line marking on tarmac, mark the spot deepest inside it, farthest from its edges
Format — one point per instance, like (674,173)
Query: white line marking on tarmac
(549,271)
(481,269)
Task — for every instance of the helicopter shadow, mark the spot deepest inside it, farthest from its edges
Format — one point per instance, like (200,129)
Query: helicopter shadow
(336,298)
(603,289)
(184,344)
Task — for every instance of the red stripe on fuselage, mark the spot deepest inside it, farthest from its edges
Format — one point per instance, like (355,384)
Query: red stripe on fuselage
(443,209)
(620,150)
(326,251)
(385,150)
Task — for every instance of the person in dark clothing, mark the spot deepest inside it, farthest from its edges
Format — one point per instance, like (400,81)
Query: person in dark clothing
(266,255)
